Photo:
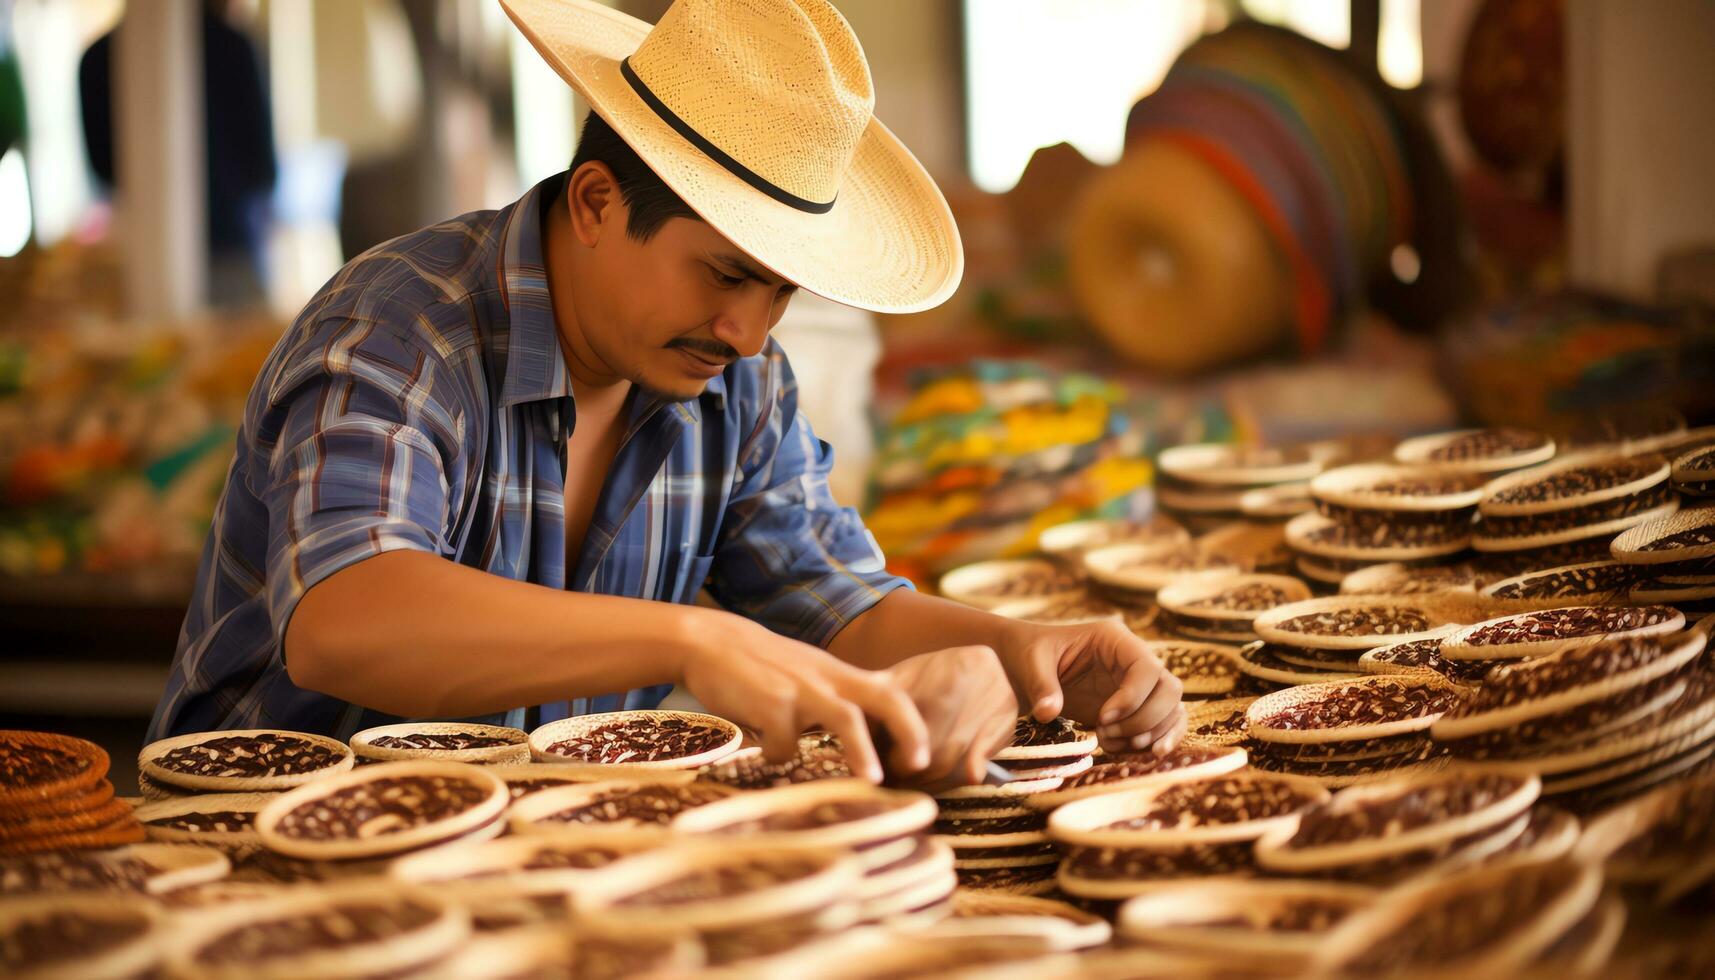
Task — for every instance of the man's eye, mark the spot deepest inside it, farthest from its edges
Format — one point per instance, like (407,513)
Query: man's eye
(724,279)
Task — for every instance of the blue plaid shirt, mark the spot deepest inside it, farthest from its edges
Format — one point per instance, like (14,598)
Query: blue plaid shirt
(420,402)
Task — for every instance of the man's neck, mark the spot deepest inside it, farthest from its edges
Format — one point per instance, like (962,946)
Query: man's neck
(592,380)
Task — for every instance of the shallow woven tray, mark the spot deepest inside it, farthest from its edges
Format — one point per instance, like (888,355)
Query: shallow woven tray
(555,731)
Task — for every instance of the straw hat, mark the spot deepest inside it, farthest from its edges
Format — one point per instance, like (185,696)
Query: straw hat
(759,114)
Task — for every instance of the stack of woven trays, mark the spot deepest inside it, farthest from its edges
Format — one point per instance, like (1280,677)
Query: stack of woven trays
(54,794)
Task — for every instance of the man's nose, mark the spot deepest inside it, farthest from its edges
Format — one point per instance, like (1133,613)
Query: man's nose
(745,322)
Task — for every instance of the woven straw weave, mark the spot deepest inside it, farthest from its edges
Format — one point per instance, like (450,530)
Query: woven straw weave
(782,87)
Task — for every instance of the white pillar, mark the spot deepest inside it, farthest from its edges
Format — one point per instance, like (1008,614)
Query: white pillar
(158,158)
(1640,146)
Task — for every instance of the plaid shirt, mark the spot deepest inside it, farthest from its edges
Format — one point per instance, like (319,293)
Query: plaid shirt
(420,402)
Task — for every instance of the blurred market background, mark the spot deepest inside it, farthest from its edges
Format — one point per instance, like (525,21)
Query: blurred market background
(1185,220)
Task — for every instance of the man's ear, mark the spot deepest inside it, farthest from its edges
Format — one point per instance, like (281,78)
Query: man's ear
(594,203)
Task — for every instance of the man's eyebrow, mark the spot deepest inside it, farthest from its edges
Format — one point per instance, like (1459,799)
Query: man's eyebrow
(750,269)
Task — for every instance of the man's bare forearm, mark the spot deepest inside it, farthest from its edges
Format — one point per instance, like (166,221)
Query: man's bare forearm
(413,634)
(906,623)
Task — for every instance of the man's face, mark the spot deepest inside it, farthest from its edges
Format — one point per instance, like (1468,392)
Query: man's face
(671,313)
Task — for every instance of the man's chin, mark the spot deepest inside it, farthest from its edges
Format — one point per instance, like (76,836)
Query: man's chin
(680,389)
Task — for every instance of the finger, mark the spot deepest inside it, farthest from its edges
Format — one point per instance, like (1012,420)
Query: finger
(1167,740)
(1040,684)
(960,738)
(1160,730)
(1128,734)
(1139,671)
(885,702)
(767,707)
(779,733)
(974,766)
(993,731)
(1002,723)
(1156,710)
(1141,680)
(946,757)
(1152,738)
(962,762)
(844,719)
(972,744)
(945,769)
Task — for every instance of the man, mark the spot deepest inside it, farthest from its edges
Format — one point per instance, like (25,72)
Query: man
(492,462)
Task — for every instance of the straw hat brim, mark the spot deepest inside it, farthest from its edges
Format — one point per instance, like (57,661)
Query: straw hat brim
(889,244)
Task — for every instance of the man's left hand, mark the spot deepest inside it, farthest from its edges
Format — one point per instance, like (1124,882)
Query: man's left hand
(1100,675)
(967,705)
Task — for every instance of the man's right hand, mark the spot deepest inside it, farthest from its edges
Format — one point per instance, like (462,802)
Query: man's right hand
(780,687)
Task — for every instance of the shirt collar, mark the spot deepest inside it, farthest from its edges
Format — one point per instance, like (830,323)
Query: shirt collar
(535,366)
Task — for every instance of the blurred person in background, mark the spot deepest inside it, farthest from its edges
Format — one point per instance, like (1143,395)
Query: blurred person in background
(238,142)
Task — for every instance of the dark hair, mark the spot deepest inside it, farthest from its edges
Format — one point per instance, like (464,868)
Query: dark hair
(648,198)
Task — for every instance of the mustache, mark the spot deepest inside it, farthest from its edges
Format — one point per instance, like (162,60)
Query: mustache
(709,348)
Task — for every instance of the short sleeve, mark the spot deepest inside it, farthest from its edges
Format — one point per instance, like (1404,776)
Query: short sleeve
(789,556)
(360,439)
